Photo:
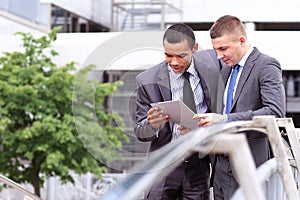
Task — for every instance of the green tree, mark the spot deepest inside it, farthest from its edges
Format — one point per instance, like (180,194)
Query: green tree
(39,137)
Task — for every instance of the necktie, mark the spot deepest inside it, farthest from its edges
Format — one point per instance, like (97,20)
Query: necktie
(188,94)
(232,81)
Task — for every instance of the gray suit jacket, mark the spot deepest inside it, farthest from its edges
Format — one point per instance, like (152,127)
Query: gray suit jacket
(153,85)
(260,91)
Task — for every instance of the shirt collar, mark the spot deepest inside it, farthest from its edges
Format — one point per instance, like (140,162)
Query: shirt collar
(245,57)
(191,70)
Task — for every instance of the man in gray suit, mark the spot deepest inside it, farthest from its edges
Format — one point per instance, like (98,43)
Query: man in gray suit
(164,82)
(252,86)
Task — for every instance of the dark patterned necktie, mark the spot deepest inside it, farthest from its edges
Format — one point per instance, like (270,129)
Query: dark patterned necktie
(188,94)
(230,90)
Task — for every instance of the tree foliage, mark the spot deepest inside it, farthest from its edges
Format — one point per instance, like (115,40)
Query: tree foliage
(39,137)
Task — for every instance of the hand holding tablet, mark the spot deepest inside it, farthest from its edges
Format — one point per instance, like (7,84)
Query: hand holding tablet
(178,113)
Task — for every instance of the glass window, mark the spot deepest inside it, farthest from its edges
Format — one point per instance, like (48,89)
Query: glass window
(44,14)
(27,9)
(3,4)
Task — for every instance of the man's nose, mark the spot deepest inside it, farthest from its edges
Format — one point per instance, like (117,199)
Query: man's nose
(174,61)
(220,56)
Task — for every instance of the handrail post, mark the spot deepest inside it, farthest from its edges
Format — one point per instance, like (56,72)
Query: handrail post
(239,153)
(288,124)
(280,155)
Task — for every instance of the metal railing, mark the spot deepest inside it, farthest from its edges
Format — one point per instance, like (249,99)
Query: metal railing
(270,181)
(269,172)
(11,183)
(144,14)
(218,138)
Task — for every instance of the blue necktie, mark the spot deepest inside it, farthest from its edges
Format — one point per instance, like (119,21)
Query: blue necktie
(232,81)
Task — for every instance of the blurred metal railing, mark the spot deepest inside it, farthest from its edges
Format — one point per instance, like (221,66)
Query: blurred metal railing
(11,183)
(270,181)
(217,138)
(269,172)
(271,124)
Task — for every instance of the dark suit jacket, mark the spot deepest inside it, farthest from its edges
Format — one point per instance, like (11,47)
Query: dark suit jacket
(153,85)
(260,91)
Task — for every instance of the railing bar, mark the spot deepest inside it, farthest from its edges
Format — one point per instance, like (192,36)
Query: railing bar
(17,186)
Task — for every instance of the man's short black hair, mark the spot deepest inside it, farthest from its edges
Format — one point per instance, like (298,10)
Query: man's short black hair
(179,32)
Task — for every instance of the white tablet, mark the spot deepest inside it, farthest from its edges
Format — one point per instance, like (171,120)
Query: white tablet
(178,112)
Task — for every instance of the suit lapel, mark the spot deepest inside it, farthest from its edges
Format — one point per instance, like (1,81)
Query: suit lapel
(164,83)
(245,74)
(204,79)
(225,73)
(202,72)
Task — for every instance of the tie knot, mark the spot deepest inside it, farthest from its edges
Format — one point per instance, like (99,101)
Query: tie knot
(237,67)
(186,75)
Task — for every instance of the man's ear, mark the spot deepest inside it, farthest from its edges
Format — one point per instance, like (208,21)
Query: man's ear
(242,40)
(195,48)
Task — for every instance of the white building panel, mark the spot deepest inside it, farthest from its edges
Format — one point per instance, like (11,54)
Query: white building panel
(255,10)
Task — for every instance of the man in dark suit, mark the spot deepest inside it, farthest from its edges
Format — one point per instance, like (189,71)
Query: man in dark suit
(252,86)
(164,82)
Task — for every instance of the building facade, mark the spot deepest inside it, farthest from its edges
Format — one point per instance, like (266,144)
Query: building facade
(274,31)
